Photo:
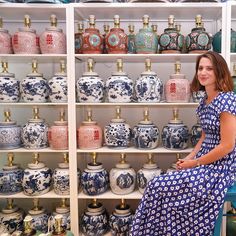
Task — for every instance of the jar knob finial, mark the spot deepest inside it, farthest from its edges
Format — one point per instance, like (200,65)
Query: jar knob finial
(27,225)
(80,27)
(63,66)
(94,202)
(63,202)
(7,115)
(175,113)
(66,157)
(35,204)
(9,203)
(122,203)
(119,64)
(89,115)
(122,158)
(92,20)
(62,115)
(150,158)
(53,19)
(118,112)
(178,27)
(36,113)
(177,67)
(198,21)
(148,64)
(116,21)
(178,156)
(106,28)
(27,21)
(94,158)
(145,21)
(90,64)
(34,66)
(146,114)
(35,158)
(10,157)
(154,28)
(171,21)
(4,67)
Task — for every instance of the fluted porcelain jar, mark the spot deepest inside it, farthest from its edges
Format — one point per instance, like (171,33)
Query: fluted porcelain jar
(117,40)
(131,40)
(117,133)
(175,134)
(145,133)
(53,40)
(148,87)
(95,221)
(26,41)
(9,86)
(11,216)
(148,172)
(79,38)
(106,32)
(92,39)
(120,220)
(90,87)
(198,95)
(10,133)
(177,88)
(146,40)
(5,39)
(11,177)
(34,87)
(37,178)
(234,77)
(198,41)
(119,86)
(34,133)
(58,228)
(122,177)
(195,133)
(94,179)
(89,134)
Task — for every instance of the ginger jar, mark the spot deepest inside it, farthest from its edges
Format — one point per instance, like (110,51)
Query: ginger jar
(131,40)
(195,133)
(5,40)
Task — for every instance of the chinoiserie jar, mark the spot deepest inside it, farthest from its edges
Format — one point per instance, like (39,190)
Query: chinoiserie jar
(148,87)
(120,220)
(122,177)
(58,85)
(26,41)
(94,179)
(58,228)
(119,86)
(117,40)
(34,87)
(9,86)
(10,133)
(234,77)
(79,38)
(37,178)
(148,172)
(198,95)
(195,133)
(117,133)
(175,134)
(92,39)
(146,40)
(131,40)
(106,32)
(34,133)
(53,40)
(171,41)
(145,133)
(90,87)
(198,41)
(177,88)
(11,216)
(89,134)
(5,39)
(95,221)
(11,177)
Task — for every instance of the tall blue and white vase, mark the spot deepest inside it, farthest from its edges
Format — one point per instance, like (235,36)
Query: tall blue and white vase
(175,134)
(146,173)
(9,86)
(117,133)
(149,87)
(90,87)
(95,220)
(145,133)
(120,220)
(131,40)
(37,178)
(195,133)
(119,87)
(94,179)
(122,177)
(11,177)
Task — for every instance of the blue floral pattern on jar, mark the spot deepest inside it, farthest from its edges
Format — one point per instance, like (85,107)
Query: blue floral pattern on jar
(196,133)
(40,221)
(198,96)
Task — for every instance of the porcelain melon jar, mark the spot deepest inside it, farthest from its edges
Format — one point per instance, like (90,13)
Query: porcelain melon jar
(195,133)
(5,40)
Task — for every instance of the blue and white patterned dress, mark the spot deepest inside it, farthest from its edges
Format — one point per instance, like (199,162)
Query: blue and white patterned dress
(187,202)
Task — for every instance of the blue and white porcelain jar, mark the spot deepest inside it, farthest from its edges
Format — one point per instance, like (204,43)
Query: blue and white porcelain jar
(95,221)
(122,177)
(34,88)
(196,133)
(117,134)
(37,178)
(9,86)
(145,133)
(119,86)
(94,179)
(148,172)
(175,134)
(58,85)
(120,220)
(11,177)
(10,133)
(34,133)
(198,95)
(148,87)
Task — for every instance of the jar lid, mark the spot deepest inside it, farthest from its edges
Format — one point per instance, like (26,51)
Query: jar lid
(89,122)
(36,166)
(32,120)
(95,208)
(62,210)
(61,123)
(12,210)
(118,73)
(117,120)
(63,165)
(54,28)
(13,167)
(62,74)
(177,76)
(150,166)
(7,123)
(94,166)
(90,73)
(36,212)
(123,165)
(174,121)
(145,122)
(26,29)
(149,73)
(35,74)
(6,74)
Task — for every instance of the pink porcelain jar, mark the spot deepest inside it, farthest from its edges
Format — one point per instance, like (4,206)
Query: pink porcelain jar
(25,41)
(5,40)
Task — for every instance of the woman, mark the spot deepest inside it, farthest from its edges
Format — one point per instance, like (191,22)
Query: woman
(187,202)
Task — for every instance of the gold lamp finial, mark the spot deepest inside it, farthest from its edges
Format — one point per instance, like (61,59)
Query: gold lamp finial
(36,113)
(122,158)
(146,114)
(4,67)
(148,64)
(36,158)
(118,112)
(7,115)
(53,20)
(89,115)
(116,21)
(10,157)
(90,64)
(66,157)
(171,21)
(131,28)
(177,67)
(27,21)
(94,158)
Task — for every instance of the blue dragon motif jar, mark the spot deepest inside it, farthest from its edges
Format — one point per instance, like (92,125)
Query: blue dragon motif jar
(95,221)
(37,178)
(11,177)
(196,133)
(119,86)
(9,86)
(94,179)
(90,87)
(122,177)
(175,134)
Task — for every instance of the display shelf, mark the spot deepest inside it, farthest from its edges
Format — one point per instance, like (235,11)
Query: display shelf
(24,150)
(22,104)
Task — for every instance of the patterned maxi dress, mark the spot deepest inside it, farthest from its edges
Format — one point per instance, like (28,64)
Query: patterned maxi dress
(187,202)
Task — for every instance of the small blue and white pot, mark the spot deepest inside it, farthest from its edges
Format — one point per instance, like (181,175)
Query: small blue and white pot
(195,133)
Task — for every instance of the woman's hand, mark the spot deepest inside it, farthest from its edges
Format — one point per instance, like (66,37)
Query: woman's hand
(185,164)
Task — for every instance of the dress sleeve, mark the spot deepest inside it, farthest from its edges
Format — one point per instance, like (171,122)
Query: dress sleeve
(227,103)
